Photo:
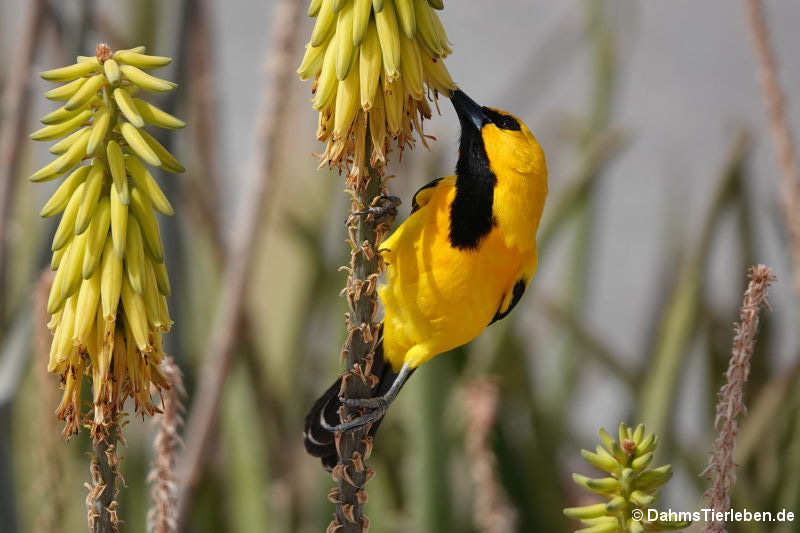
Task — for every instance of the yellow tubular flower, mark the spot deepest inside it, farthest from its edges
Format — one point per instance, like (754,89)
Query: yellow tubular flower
(108,300)
(375,65)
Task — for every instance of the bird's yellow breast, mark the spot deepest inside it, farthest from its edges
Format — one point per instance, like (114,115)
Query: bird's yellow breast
(437,297)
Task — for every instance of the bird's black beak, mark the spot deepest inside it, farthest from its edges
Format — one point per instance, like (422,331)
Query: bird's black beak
(469,112)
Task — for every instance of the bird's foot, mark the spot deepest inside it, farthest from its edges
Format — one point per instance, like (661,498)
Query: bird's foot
(378,402)
(382,210)
(372,416)
(376,406)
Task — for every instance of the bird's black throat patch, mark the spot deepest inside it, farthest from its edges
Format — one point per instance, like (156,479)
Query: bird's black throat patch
(471,216)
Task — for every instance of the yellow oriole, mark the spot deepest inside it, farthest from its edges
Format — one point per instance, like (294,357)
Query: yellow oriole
(458,263)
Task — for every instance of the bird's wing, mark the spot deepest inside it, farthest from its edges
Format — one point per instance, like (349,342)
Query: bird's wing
(512,297)
(423,194)
(510,300)
(420,199)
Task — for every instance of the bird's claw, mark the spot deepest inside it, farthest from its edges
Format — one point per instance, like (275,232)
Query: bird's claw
(382,209)
(369,418)
(376,407)
(369,403)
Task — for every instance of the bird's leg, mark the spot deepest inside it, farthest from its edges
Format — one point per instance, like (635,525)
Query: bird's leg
(382,402)
(382,210)
(377,405)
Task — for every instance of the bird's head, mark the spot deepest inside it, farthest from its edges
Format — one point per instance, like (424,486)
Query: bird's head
(498,138)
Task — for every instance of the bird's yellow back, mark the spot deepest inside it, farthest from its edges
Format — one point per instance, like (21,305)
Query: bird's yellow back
(450,274)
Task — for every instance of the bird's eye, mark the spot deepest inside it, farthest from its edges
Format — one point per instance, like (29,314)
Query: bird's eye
(502,121)
(508,123)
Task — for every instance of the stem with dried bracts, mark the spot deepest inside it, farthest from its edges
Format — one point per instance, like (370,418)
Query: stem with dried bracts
(365,235)
(721,468)
(161,517)
(101,503)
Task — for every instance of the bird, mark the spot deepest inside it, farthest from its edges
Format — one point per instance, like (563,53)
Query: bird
(460,262)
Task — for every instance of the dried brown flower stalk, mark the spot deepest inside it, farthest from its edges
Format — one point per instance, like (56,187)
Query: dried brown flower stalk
(365,235)
(779,125)
(161,517)
(721,469)
(492,512)
(106,479)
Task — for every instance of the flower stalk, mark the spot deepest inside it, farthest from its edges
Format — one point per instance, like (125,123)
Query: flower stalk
(721,468)
(365,236)
(101,502)
(163,498)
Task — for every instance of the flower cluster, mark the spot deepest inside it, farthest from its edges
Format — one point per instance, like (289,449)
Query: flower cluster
(630,489)
(373,63)
(107,300)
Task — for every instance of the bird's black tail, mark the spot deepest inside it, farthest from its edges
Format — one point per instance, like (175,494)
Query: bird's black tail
(319,441)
